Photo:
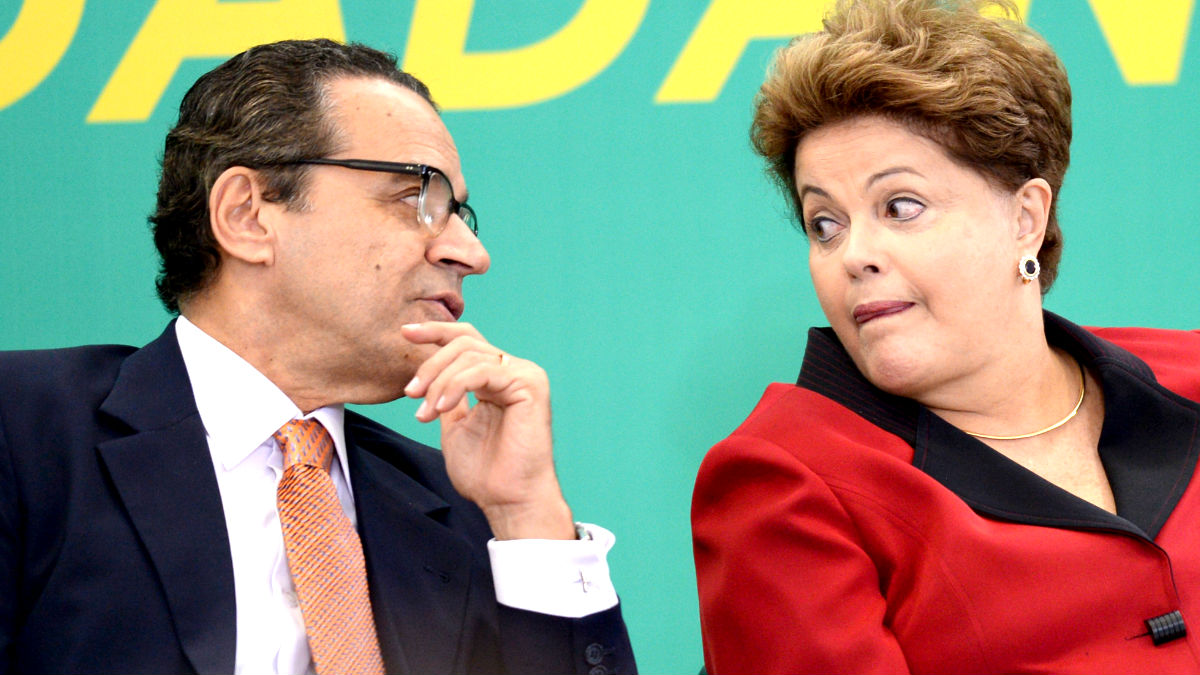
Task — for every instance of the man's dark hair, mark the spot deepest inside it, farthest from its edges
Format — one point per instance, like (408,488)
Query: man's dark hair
(261,108)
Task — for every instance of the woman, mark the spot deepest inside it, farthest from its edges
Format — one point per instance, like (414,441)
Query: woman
(959,482)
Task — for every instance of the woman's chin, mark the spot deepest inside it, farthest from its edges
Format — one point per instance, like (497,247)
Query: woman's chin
(894,371)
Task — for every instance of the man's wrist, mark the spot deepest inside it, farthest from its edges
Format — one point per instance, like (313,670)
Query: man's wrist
(548,519)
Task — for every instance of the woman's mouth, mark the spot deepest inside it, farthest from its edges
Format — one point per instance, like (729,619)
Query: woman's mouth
(869,311)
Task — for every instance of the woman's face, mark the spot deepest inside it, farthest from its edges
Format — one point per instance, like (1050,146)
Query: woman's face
(913,256)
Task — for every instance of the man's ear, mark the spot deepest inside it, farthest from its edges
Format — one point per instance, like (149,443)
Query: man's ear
(1033,200)
(235,207)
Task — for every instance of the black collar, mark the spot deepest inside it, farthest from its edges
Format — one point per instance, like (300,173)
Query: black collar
(1149,442)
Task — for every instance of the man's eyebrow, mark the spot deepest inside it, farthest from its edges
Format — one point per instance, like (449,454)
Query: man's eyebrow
(401,178)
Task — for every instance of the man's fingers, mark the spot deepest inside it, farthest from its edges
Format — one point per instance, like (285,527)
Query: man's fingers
(493,377)
(467,363)
(438,332)
(451,387)
(442,358)
(445,389)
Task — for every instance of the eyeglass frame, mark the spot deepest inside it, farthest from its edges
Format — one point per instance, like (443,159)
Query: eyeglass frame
(425,171)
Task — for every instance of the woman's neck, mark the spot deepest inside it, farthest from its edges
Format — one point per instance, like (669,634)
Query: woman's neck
(1021,391)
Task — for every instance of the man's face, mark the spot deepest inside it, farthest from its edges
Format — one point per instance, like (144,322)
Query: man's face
(354,264)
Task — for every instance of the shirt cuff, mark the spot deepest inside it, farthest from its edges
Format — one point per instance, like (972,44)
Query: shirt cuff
(557,577)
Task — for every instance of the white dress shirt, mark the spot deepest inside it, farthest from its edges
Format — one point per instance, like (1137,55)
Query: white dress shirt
(241,410)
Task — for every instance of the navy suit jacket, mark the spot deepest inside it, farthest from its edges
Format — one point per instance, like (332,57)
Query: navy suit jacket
(114,555)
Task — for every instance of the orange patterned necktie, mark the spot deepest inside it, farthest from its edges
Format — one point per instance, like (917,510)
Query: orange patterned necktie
(324,555)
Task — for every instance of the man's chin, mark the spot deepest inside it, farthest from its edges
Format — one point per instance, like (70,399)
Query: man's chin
(417,354)
(373,395)
(384,380)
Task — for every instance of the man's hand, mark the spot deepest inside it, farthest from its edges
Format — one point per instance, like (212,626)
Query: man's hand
(499,453)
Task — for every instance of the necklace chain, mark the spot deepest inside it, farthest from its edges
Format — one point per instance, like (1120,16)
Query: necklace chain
(1052,427)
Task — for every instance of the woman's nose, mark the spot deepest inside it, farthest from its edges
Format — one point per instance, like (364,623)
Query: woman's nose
(864,250)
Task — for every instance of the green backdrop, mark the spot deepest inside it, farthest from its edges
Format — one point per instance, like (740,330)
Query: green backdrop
(639,253)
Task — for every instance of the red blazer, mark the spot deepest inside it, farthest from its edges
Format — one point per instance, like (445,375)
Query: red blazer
(840,529)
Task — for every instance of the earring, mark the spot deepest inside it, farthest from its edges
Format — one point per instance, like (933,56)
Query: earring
(1029,268)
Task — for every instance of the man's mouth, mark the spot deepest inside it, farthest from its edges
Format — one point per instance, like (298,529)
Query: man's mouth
(450,302)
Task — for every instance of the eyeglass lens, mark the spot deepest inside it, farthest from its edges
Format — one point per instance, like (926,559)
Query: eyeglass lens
(434,206)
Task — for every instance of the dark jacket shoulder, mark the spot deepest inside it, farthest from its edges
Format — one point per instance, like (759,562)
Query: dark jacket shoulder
(39,377)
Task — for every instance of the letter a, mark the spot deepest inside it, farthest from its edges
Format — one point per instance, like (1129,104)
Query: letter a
(727,26)
(179,29)
(34,45)
(552,67)
(1146,38)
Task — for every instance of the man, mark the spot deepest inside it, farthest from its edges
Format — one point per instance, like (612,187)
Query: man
(205,504)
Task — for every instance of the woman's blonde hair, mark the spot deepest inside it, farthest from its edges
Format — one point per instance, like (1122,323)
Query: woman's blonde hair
(989,90)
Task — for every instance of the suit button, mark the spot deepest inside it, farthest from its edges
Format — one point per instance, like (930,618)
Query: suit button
(1167,627)
(598,670)
(594,654)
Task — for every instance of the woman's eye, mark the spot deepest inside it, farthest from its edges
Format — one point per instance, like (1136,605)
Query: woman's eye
(821,228)
(904,208)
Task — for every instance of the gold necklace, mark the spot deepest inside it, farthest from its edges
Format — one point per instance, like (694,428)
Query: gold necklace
(1052,427)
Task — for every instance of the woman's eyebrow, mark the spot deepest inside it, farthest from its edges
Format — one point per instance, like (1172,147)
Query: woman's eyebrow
(875,177)
(804,190)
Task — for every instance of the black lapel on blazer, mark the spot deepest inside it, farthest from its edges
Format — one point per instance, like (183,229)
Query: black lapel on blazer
(164,475)
(418,569)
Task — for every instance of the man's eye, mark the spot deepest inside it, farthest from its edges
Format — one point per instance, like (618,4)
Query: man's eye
(904,208)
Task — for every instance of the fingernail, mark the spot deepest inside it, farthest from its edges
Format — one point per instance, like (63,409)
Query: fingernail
(411,325)
(412,384)
(441,404)
(421,410)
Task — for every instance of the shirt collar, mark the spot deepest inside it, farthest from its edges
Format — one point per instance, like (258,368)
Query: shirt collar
(240,408)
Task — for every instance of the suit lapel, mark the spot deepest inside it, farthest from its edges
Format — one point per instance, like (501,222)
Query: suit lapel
(418,569)
(164,475)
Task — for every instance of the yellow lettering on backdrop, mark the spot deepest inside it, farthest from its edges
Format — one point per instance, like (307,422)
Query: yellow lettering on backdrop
(34,45)
(710,55)
(436,53)
(1147,38)
(180,29)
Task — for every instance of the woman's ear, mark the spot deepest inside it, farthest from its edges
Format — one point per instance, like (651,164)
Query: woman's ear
(235,206)
(1033,200)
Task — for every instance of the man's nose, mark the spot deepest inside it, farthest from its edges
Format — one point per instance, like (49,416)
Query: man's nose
(458,246)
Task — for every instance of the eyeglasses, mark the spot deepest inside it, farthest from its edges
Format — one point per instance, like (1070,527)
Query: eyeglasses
(436,201)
